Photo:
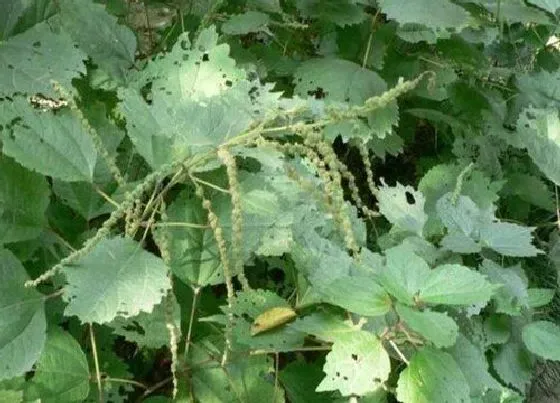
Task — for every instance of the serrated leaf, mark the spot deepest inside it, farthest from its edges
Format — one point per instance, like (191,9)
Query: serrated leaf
(543,339)
(512,296)
(244,380)
(22,319)
(474,366)
(357,364)
(110,45)
(516,11)
(458,242)
(436,327)
(539,131)
(453,284)
(404,274)
(272,318)
(116,278)
(509,239)
(62,148)
(497,329)
(247,306)
(299,380)
(549,5)
(360,295)
(242,24)
(149,329)
(82,198)
(530,189)
(461,214)
(30,60)
(193,252)
(24,197)
(338,81)
(324,326)
(402,206)
(62,373)
(435,14)
(340,12)
(538,297)
(432,376)
(513,365)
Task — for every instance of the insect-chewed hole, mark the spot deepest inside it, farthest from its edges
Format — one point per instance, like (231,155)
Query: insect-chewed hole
(410,198)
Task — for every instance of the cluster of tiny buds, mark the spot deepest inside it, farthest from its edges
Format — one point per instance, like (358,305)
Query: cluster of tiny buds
(236,213)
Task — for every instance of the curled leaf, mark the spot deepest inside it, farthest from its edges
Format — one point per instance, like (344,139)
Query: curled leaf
(272,318)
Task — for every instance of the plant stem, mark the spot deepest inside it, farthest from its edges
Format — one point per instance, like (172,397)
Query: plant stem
(96,361)
(196,293)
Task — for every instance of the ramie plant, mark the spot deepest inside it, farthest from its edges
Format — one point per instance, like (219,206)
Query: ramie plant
(256,149)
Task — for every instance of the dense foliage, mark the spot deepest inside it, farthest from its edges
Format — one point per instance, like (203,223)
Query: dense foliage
(279,201)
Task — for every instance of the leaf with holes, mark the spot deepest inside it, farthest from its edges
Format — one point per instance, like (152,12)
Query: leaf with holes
(62,148)
(116,278)
(403,207)
(357,364)
(29,61)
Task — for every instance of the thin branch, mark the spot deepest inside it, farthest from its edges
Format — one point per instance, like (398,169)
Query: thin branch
(96,361)
(196,293)
(129,381)
(399,352)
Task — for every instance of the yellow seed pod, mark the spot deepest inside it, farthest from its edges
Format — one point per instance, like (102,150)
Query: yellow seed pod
(272,318)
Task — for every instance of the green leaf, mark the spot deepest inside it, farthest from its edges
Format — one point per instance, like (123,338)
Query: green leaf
(62,373)
(539,131)
(459,242)
(453,284)
(436,327)
(543,339)
(549,5)
(340,12)
(438,15)
(432,376)
(116,278)
(530,189)
(512,296)
(82,198)
(246,308)
(516,11)
(404,274)
(242,24)
(538,297)
(509,239)
(357,364)
(403,213)
(340,81)
(360,295)
(299,380)
(29,61)
(62,148)
(22,319)
(245,380)
(193,252)
(24,197)
(497,329)
(111,46)
(323,325)
(149,329)
(513,365)
(474,366)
